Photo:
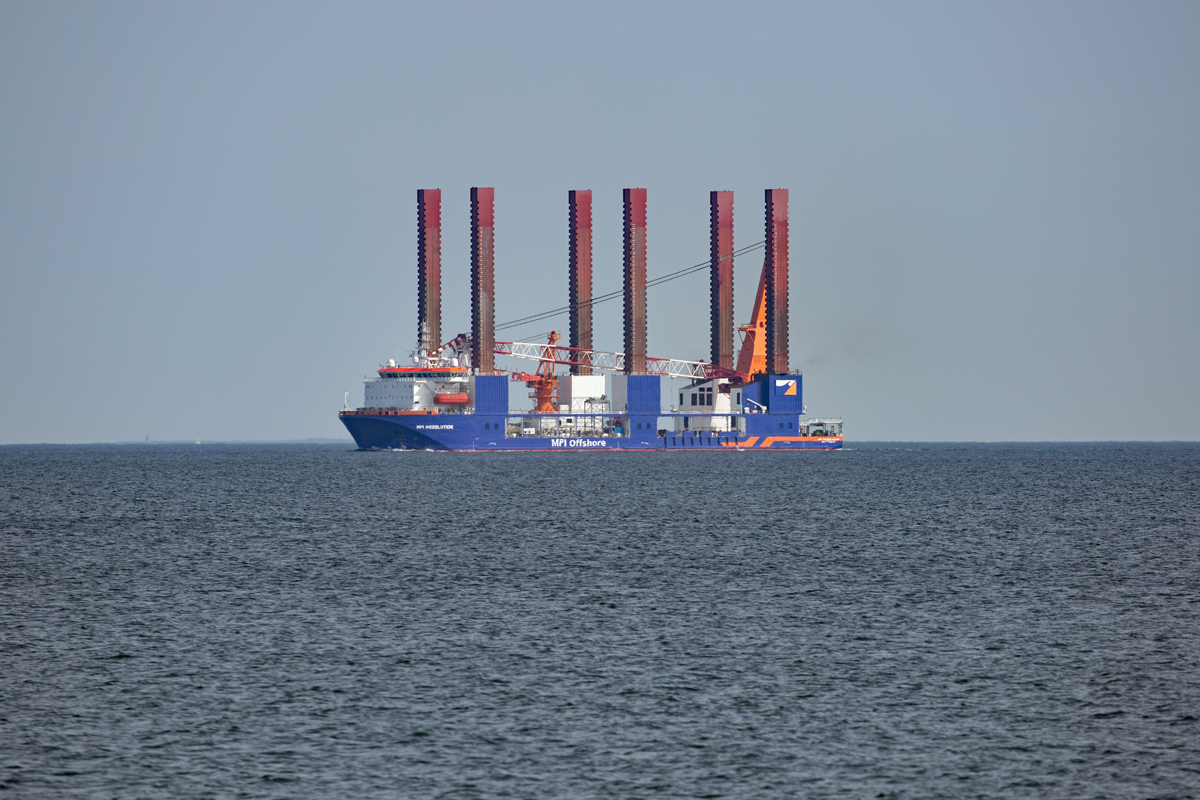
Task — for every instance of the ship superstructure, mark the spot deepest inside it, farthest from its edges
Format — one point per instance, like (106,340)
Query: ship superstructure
(452,397)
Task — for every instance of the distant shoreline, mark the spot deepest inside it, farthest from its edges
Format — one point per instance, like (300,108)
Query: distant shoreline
(849,444)
(192,442)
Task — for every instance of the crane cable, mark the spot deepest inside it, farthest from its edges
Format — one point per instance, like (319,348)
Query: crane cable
(670,276)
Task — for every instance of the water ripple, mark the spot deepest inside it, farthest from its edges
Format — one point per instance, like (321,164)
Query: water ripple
(310,621)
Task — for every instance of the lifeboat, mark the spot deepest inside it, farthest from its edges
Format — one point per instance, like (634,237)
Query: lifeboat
(456,399)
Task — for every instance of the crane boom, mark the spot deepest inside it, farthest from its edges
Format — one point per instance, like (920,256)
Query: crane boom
(615,362)
(598,359)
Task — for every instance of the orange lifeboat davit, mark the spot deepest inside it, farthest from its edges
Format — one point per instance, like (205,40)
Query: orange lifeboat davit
(456,399)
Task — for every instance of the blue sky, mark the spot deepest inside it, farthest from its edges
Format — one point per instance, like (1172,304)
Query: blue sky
(207,211)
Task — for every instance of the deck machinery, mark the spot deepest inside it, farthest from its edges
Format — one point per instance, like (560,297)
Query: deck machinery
(452,397)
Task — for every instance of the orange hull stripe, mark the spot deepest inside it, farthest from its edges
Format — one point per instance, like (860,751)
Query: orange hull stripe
(770,440)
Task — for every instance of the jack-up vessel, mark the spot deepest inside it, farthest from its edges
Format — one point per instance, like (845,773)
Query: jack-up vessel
(452,397)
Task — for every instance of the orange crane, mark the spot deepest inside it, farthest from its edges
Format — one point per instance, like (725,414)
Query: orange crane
(752,358)
(751,361)
(544,383)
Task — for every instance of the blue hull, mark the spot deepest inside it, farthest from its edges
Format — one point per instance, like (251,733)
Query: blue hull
(476,432)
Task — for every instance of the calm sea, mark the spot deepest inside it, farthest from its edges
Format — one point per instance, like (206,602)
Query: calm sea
(308,621)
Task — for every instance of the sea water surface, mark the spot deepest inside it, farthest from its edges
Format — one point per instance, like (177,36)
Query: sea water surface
(889,621)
